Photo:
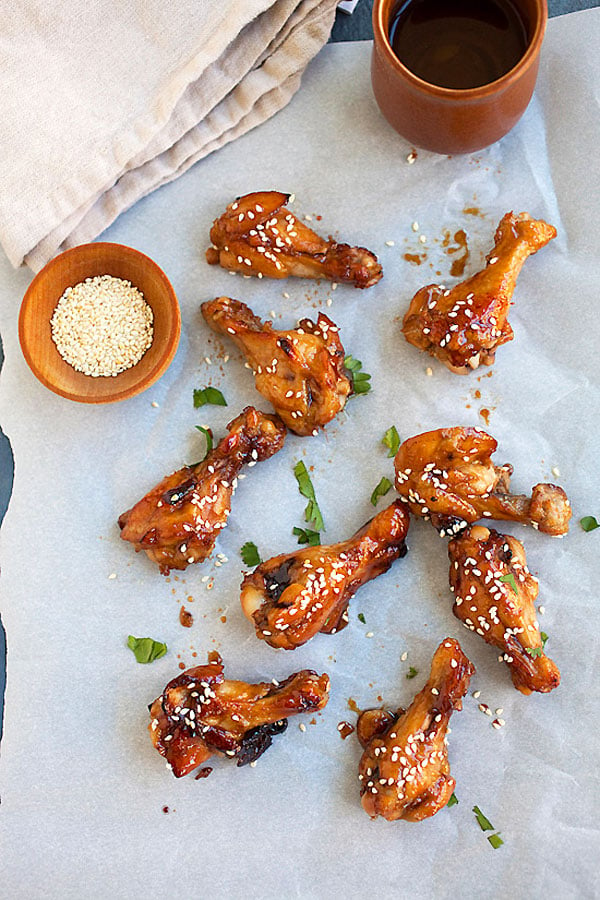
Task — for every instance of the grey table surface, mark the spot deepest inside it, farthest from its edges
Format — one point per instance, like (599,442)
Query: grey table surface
(355,27)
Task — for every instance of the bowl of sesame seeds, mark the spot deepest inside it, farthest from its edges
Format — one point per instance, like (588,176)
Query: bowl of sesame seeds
(99,323)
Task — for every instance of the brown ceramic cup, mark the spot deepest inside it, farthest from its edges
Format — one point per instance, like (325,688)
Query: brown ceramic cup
(444,119)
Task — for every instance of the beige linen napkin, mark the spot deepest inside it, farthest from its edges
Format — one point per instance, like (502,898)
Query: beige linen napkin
(104,101)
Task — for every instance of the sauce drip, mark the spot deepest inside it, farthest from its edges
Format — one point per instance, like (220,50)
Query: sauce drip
(185,617)
(345,729)
(458,44)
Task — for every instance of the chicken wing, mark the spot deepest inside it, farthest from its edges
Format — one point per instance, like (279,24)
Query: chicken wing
(404,771)
(464,326)
(291,597)
(447,476)
(257,235)
(301,372)
(178,521)
(199,713)
(494,594)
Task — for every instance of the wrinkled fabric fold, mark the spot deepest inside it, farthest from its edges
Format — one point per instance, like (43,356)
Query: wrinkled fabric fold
(131,104)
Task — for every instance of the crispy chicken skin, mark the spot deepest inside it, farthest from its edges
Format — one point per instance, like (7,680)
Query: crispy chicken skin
(505,618)
(465,325)
(257,235)
(447,476)
(178,521)
(404,771)
(300,371)
(292,597)
(200,713)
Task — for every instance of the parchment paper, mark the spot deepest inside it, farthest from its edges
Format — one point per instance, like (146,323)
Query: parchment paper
(82,789)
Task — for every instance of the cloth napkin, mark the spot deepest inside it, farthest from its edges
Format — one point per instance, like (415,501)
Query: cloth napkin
(102,102)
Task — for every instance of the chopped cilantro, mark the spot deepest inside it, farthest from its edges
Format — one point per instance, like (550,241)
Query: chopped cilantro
(544,637)
(212,395)
(589,523)
(391,440)
(412,672)
(381,490)
(307,536)
(250,555)
(510,580)
(360,380)
(207,432)
(482,821)
(361,618)
(312,513)
(534,651)
(146,650)
(495,840)
(452,801)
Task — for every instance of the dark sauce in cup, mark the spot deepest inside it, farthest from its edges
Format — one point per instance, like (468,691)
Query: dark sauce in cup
(458,44)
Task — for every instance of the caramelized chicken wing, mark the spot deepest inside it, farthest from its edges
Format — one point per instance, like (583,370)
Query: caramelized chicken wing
(257,235)
(199,713)
(291,597)
(404,771)
(494,594)
(178,521)
(447,476)
(465,325)
(301,372)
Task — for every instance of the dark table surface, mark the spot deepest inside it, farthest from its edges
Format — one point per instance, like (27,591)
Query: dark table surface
(355,27)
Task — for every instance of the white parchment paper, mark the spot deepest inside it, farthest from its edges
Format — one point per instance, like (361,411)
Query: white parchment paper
(82,789)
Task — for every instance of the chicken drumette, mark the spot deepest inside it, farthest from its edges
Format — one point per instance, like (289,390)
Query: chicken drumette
(465,325)
(199,713)
(447,476)
(178,521)
(404,771)
(494,594)
(291,597)
(301,371)
(257,235)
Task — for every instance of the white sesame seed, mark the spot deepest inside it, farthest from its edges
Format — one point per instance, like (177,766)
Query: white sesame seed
(302,726)
(112,576)
(422,239)
(415,226)
(555,471)
(154,404)
(389,243)
(429,371)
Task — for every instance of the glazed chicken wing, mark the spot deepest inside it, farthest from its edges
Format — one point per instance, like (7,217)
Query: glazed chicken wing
(447,476)
(257,235)
(199,713)
(464,326)
(291,597)
(301,372)
(178,521)
(494,595)
(404,771)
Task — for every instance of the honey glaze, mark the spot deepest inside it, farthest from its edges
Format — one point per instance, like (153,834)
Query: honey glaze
(458,44)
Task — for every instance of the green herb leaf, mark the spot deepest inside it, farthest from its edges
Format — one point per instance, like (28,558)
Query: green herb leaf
(391,439)
(412,672)
(250,555)
(495,840)
(483,823)
(381,490)
(510,580)
(534,651)
(361,618)
(312,513)
(212,395)
(544,638)
(306,536)
(589,523)
(452,801)
(207,432)
(360,380)
(146,650)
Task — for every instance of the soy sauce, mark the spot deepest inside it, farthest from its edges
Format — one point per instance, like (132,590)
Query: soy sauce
(458,44)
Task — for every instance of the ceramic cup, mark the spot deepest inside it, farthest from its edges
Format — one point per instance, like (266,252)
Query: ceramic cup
(447,120)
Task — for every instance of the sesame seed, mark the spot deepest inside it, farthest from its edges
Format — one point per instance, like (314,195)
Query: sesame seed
(422,239)
(429,371)
(302,726)
(112,576)
(415,226)
(410,159)
(389,243)
(154,404)
(555,471)
(102,326)
(369,634)
(404,657)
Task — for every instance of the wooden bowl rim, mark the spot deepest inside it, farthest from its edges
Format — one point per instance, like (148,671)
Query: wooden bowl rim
(152,375)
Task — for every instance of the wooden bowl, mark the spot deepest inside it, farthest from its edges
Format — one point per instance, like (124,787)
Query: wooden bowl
(68,269)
